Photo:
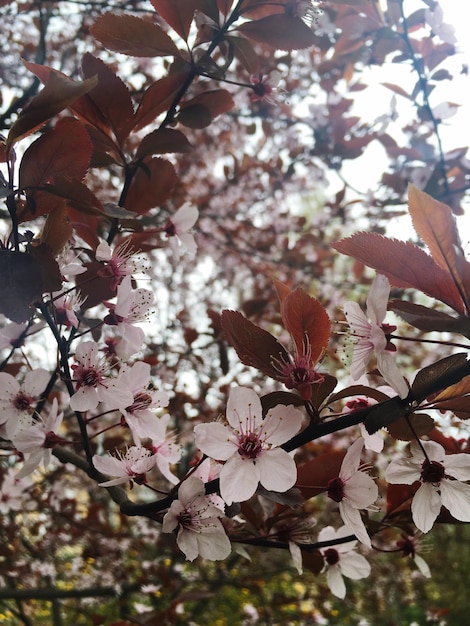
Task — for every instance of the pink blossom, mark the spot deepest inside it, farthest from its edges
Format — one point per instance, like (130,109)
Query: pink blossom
(373,336)
(341,560)
(133,465)
(408,545)
(265,87)
(163,446)
(353,490)
(11,492)
(17,401)
(119,262)
(178,226)
(38,439)
(131,307)
(440,476)
(138,414)
(250,446)
(93,385)
(65,305)
(200,531)
(10,335)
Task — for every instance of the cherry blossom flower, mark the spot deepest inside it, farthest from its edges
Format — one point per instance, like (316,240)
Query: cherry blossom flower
(297,370)
(304,9)
(69,263)
(93,385)
(408,545)
(131,307)
(373,336)
(17,401)
(11,492)
(38,439)
(200,531)
(341,560)
(353,490)
(119,262)
(435,19)
(139,415)
(249,445)
(164,448)
(296,530)
(265,87)
(133,465)
(65,305)
(178,226)
(11,335)
(440,476)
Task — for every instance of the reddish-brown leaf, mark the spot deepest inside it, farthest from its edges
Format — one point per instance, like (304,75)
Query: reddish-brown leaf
(58,93)
(62,151)
(254,345)
(158,98)
(224,6)
(435,224)
(422,424)
(307,322)
(20,285)
(245,53)
(77,195)
(57,230)
(428,319)
(282,32)
(161,141)
(201,110)
(313,476)
(111,99)
(177,13)
(133,35)
(151,186)
(404,264)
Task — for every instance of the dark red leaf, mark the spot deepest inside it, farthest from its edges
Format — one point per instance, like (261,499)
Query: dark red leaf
(58,93)
(133,35)
(177,13)
(158,98)
(163,140)
(404,264)
(20,285)
(151,186)
(255,346)
(282,32)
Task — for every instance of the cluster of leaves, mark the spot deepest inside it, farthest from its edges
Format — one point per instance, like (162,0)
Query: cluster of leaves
(115,161)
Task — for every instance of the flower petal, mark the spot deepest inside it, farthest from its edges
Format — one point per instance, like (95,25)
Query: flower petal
(456,498)
(458,466)
(239,479)
(214,545)
(244,411)
(281,424)
(425,507)
(354,565)
(352,518)
(352,460)
(277,470)
(336,582)
(377,299)
(361,490)
(403,471)
(216,440)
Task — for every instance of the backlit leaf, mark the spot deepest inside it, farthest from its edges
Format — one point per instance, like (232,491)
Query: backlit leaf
(307,322)
(428,319)
(133,35)
(151,185)
(203,108)
(435,224)
(384,414)
(58,93)
(439,375)
(421,423)
(254,345)
(65,150)
(158,98)
(404,264)
(177,13)
(20,285)
(163,140)
(282,32)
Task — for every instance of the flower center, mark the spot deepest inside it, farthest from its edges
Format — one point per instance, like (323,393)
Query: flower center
(22,401)
(432,472)
(142,401)
(336,489)
(249,446)
(86,376)
(51,440)
(185,519)
(407,546)
(331,556)
(170,229)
